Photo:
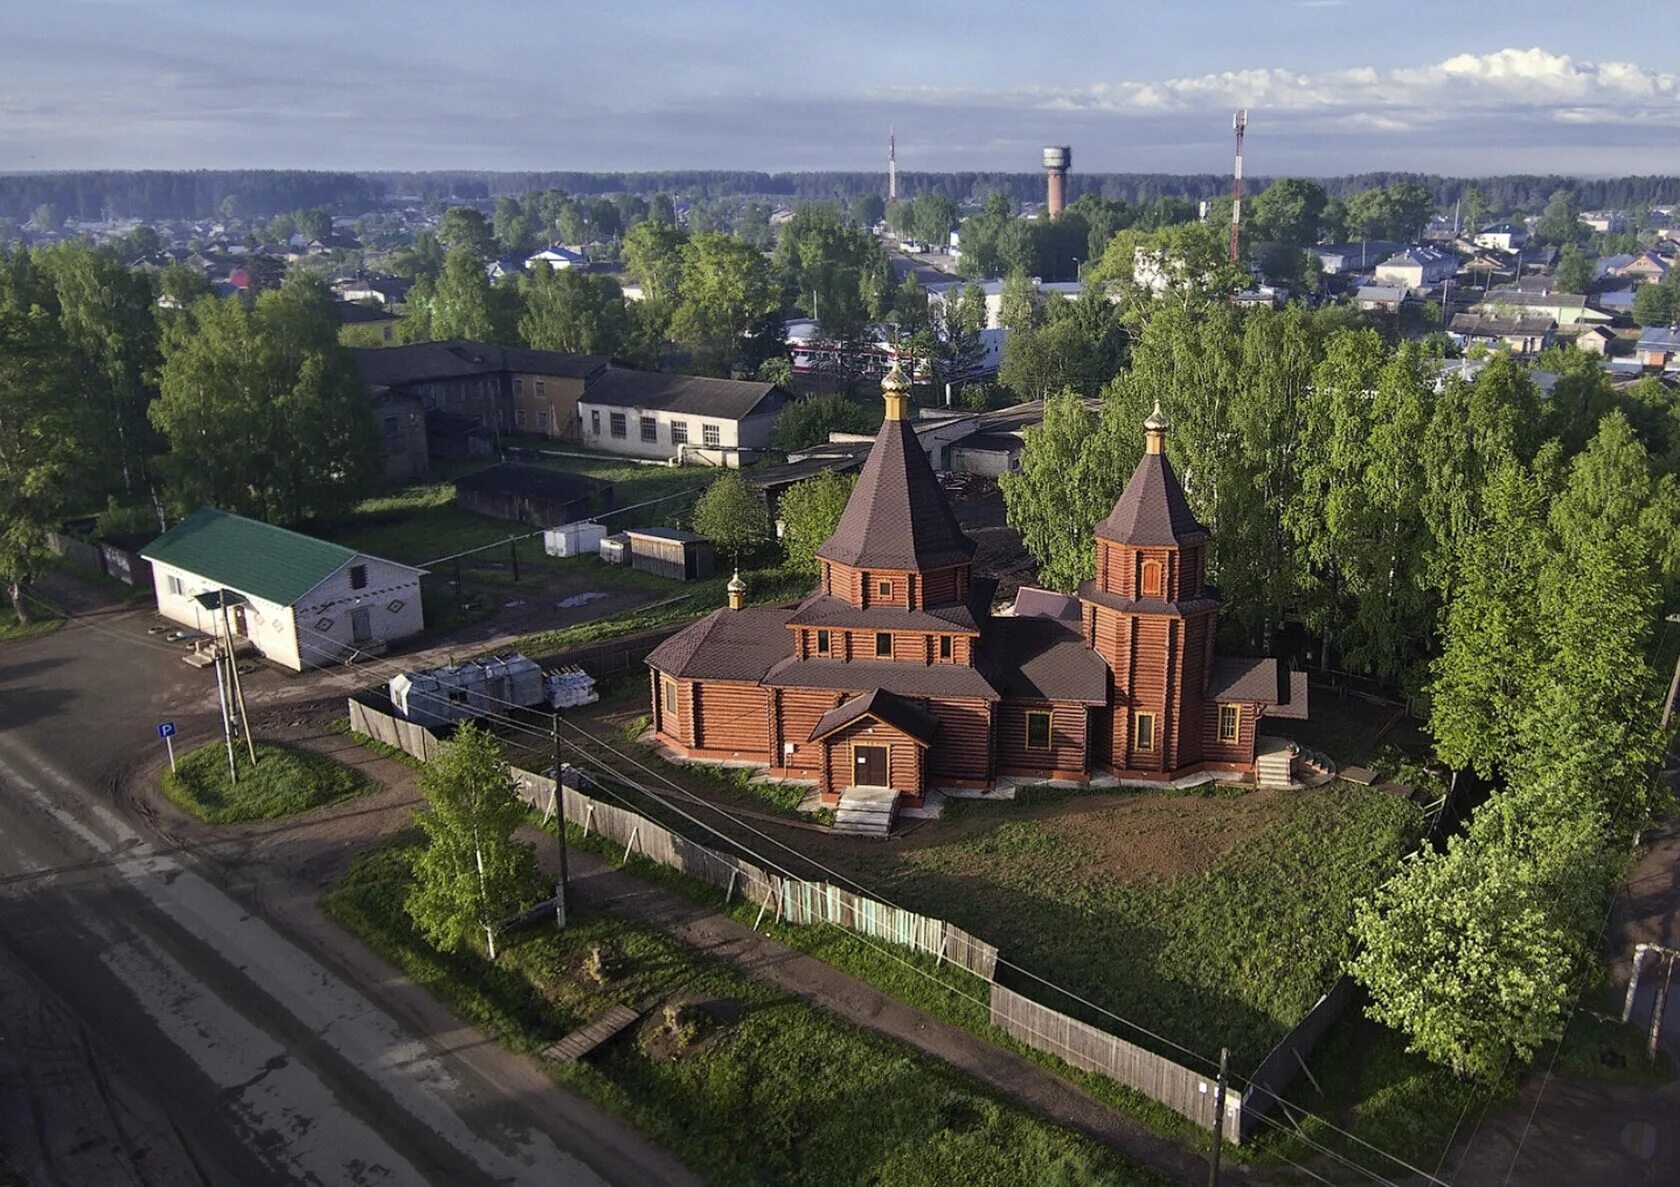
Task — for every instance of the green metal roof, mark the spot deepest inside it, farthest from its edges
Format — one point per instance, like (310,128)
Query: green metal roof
(252,557)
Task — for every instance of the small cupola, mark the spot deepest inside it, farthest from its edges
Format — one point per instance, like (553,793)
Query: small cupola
(737,589)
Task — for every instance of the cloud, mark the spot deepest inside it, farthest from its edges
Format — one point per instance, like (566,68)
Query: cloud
(1506,78)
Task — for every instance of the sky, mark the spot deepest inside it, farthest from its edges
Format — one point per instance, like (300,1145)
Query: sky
(1332,86)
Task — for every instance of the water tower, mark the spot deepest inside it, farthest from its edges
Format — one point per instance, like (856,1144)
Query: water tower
(1058,159)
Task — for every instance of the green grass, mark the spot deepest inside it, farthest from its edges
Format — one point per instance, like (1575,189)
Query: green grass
(341,726)
(284,782)
(1232,955)
(772,1091)
(43,621)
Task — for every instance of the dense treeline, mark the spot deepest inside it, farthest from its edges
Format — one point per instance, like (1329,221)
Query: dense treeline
(160,194)
(157,194)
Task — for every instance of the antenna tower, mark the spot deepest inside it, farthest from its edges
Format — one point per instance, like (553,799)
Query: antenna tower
(892,166)
(1239,123)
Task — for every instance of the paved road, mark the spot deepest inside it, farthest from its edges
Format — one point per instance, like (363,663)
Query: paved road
(161,1032)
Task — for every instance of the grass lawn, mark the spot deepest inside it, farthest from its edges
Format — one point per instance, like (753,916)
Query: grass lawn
(1213,920)
(284,782)
(43,621)
(766,1090)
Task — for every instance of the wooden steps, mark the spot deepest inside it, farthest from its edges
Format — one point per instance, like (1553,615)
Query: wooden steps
(866,812)
(591,1035)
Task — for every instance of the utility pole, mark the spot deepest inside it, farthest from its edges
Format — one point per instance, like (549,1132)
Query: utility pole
(560,831)
(1657,1008)
(1219,1115)
(233,674)
(227,729)
(1239,124)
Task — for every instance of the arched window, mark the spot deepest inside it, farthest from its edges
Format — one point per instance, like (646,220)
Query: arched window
(1151,581)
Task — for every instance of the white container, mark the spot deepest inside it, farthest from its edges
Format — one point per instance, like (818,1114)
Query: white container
(574,539)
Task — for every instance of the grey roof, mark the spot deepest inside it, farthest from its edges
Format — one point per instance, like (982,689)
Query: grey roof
(1043,659)
(675,534)
(532,482)
(884,706)
(1032,602)
(727,645)
(897,516)
(907,679)
(1381,292)
(1152,511)
(1259,681)
(423,362)
(1660,338)
(725,399)
(1490,326)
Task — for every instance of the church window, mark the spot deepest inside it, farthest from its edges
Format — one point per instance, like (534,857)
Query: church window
(1038,731)
(1152,583)
(1143,732)
(944,646)
(884,588)
(670,687)
(1229,720)
(822,642)
(883,645)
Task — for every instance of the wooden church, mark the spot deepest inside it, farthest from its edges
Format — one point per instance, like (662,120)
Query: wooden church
(894,675)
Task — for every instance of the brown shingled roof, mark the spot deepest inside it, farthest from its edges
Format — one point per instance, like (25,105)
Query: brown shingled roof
(1152,511)
(822,609)
(1043,659)
(884,706)
(726,645)
(897,517)
(1245,678)
(906,679)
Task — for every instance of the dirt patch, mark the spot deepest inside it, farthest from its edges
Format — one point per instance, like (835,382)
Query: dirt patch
(1160,838)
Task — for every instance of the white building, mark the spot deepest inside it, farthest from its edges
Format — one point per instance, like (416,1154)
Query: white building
(1502,236)
(299,601)
(557,257)
(683,419)
(1417,268)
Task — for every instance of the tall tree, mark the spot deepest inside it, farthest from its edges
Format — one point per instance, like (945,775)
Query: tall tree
(263,409)
(810,419)
(463,305)
(1560,222)
(573,311)
(1059,494)
(726,296)
(653,256)
(41,444)
(1288,210)
(472,875)
(935,215)
(1574,272)
(464,229)
(730,515)
(810,511)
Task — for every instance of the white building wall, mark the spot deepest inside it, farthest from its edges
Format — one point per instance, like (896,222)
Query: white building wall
(325,614)
(751,434)
(268,625)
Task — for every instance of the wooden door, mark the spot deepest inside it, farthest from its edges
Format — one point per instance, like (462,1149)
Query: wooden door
(361,629)
(869,766)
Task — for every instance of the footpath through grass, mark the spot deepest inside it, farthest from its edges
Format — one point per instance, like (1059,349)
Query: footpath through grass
(752,1086)
(284,782)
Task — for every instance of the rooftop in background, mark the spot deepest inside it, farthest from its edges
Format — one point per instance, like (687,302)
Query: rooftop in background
(419,362)
(726,399)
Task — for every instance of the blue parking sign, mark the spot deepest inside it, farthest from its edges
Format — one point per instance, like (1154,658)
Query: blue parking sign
(166,729)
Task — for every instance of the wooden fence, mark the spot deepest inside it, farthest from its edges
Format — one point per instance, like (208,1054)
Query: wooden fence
(1076,1043)
(1089,1049)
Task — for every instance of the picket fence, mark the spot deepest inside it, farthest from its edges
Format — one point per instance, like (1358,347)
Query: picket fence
(1079,1044)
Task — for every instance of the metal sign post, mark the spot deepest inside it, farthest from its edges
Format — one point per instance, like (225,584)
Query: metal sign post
(166,731)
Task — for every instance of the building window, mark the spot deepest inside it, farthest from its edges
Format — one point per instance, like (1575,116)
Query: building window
(1038,731)
(883,645)
(650,430)
(616,421)
(518,386)
(1143,732)
(542,387)
(670,688)
(389,426)
(175,587)
(1230,718)
(710,436)
(519,418)
(884,588)
(944,646)
(822,643)
(1151,583)
(542,419)
(358,576)
(594,422)
(679,432)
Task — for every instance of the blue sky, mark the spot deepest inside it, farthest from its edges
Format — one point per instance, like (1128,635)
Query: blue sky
(1333,86)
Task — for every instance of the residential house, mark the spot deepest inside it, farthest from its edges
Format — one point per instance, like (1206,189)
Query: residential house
(558,257)
(1522,335)
(1595,340)
(1567,309)
(382,321)
(1659,346)
(1334,259)
(1606,222)
(1646,266)
(681,418)
(1380,297)
(1417,268)
(298,601)
(388,291)
(1502,236)
(893,678)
